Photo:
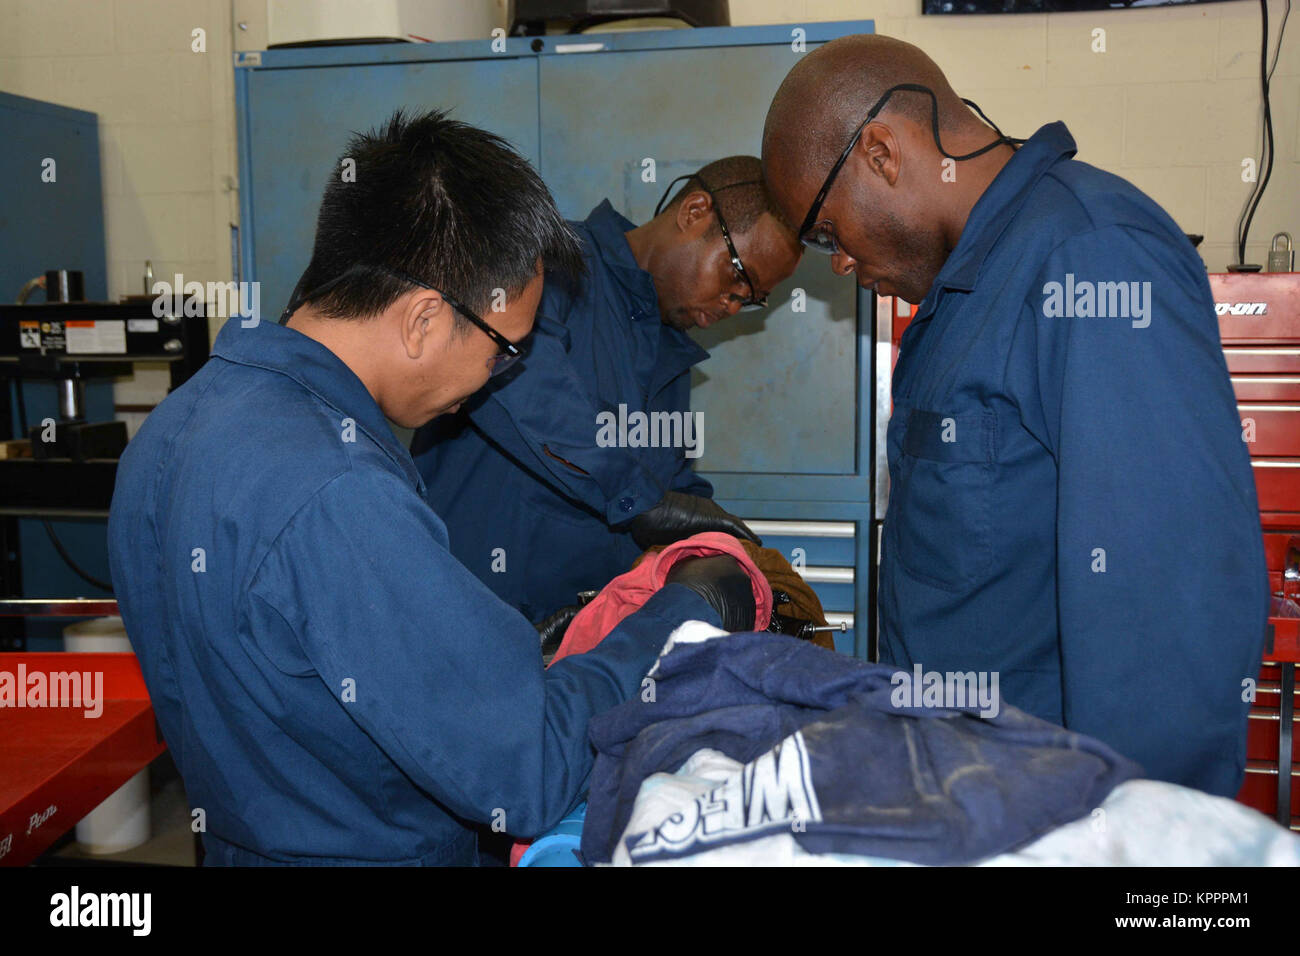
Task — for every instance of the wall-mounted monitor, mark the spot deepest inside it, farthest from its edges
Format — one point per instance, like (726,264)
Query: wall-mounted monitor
(1041,6)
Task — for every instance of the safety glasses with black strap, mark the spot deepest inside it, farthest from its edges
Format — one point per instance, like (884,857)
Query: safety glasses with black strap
(819,234)
(752,302)
(507,352)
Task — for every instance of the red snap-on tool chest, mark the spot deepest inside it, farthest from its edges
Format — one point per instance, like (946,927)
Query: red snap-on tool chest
(1259,323)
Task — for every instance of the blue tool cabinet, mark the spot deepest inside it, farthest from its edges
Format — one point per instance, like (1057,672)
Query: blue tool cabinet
(45,224)
(789,395)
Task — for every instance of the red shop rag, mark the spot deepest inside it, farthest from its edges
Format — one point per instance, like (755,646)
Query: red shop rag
(627,592)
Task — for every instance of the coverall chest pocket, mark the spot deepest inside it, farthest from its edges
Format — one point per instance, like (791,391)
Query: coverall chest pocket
(943,496)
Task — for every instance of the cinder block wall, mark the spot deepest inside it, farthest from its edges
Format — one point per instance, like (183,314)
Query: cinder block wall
(166,131)
(166,119)
(1172,105)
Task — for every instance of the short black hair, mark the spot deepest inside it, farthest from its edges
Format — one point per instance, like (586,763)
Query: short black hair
(442,201)
(737,184)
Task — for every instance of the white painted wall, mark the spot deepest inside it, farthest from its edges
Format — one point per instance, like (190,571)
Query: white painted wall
(1172,105)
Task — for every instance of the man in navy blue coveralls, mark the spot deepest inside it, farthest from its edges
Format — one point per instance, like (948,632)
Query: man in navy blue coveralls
(537,505)
(332,683)
(1071,503)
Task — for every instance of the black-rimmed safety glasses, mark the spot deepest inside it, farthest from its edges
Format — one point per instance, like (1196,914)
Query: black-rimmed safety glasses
(752,302)
(507,352)
(819,234)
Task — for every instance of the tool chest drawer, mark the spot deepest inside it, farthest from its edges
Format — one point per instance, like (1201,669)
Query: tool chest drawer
(1259,790)
(1275,544)
(1263,360)
(1265,748)
(1266,388)
(1271,431)
(1256,308)
(1277,482)
(1275,547)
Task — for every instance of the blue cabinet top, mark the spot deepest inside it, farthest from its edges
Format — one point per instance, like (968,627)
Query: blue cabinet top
(552,45)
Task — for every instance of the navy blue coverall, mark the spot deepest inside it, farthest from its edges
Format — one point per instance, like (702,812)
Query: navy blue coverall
(530,499)
(1072,503)
(333,684)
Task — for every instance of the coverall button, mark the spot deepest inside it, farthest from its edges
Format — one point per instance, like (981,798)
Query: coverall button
(624,504)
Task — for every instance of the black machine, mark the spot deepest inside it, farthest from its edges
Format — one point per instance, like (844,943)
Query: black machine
(73,462)
(65,467)
(530,17)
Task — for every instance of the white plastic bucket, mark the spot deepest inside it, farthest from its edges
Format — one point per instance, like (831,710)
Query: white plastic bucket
(121,822)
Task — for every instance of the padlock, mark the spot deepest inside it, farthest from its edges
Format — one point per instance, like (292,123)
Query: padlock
(1281,260)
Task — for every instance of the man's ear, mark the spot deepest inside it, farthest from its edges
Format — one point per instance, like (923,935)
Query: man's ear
(420,315)
(881,149)
(694,212)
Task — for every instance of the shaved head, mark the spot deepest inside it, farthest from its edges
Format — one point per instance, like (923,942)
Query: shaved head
(824,98)
(897,207)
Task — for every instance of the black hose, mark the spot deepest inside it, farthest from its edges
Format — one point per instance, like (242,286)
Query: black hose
(49,528)
(67,559)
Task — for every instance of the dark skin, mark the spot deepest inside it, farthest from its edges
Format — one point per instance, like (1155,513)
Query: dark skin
(683,250)
(893,215)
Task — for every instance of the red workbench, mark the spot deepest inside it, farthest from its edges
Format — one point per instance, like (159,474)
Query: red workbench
(57,763)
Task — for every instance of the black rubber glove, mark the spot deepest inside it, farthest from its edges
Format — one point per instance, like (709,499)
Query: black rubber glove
(721,582)
(680,515)
(550,630)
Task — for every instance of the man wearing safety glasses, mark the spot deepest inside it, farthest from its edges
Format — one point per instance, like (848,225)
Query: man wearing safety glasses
(1071,505)
(335,687)
(536,505)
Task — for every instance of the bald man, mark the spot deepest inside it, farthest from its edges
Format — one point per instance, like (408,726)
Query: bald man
(1072,506)
(542,496)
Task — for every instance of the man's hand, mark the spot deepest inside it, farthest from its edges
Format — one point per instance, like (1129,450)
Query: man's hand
(680,515)
(721,582)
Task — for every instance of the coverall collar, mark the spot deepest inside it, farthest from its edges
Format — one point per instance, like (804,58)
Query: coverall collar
(995,209)
(278,348)
(609,229)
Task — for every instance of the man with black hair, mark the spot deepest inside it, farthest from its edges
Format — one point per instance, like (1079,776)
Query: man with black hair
(542,498)
(333,685)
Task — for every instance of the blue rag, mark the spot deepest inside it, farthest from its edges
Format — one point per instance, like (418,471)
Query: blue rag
(838,753)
